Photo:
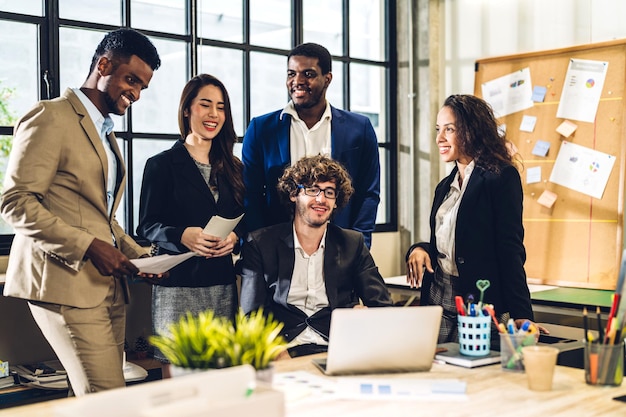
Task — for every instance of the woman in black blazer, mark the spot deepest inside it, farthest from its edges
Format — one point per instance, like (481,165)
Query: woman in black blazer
(476,220)
(183,187)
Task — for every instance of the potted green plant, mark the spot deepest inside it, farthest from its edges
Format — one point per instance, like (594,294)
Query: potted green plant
(206,341)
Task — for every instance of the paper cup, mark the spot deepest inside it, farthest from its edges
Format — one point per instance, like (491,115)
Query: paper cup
(540,362)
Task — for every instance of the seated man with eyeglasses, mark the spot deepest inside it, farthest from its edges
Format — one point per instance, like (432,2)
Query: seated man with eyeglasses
(300,271)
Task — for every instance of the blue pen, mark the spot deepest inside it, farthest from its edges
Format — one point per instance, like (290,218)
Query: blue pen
(524,327)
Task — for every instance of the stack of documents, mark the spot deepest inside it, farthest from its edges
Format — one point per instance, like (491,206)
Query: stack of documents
(46,375)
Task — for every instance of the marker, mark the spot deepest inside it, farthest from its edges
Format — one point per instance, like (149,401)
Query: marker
(472,310)
(510,325)
(524,328)
(460,307)
(492,313)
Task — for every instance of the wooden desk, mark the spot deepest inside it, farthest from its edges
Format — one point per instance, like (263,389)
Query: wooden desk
(490,391)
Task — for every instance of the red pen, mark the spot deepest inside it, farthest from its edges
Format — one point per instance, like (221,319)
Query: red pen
(460,306)
(614,306)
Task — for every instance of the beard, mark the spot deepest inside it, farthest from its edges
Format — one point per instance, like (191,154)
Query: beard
(312,220)
(113,106)
(313,101)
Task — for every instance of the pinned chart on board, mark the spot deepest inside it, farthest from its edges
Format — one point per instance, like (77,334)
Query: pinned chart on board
(582,169)
(582,89)
(509,93)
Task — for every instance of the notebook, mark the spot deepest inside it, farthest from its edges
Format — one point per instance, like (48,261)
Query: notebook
(381,339)
(453,356)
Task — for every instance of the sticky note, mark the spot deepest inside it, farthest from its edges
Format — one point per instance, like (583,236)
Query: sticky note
(541,148)
(547,199)
(533,175)
(539,93)
(566,128)
(528,123)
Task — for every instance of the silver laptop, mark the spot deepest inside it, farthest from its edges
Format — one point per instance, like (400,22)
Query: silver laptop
(381,339)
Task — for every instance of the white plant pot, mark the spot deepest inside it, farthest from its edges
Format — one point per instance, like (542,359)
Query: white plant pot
(266,375)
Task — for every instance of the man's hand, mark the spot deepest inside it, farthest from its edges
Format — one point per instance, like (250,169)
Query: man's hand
(418,260)
(108,260)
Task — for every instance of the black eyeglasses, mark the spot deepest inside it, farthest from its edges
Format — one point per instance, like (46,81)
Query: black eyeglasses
(330,193)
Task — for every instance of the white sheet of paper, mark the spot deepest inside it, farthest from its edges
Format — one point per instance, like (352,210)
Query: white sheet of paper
(582,169)
(220,226)
(299,384)
(582,89)
(533,175)
(161,263)
(528,123)
(509,93)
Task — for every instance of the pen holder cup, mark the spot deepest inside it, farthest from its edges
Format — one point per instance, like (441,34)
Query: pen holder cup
(604,363)
(474,335)
(511,345)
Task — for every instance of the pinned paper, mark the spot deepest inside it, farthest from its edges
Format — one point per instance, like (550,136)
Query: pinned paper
(582,169)
(510,93)
(566,128)
(547,199)
(539,93)
(533,175)
(541,148)
(528,123)
(582,88)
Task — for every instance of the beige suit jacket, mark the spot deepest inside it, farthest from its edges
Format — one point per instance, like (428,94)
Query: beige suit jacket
(55,199)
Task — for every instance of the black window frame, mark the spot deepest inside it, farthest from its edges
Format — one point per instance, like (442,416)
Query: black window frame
(50,23)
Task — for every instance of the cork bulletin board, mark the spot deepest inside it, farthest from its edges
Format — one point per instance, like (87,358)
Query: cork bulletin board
(578,240)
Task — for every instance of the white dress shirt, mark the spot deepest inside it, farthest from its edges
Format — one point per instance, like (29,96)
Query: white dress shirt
(445,222)
(304,141)
(104,126)
(308,290)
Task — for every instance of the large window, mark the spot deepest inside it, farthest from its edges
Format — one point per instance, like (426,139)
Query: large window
(49,44)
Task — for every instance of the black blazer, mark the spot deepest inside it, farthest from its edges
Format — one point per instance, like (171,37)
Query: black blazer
(489,240)
(175,196)
(349,274)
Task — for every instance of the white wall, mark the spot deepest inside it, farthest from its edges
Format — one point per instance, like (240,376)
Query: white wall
(475,29)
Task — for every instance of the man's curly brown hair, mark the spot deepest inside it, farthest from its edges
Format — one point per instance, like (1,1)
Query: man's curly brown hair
(313,170)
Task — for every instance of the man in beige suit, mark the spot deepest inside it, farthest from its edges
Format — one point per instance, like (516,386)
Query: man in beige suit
(64,181)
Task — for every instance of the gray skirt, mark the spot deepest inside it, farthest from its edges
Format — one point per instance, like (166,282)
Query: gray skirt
(170,303)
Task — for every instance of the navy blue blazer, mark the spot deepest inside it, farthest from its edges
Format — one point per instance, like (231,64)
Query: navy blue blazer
(174,196)
(489,240)
(266,153)
(349,275)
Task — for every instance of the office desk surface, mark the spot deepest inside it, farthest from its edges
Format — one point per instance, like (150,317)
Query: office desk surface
(490,392)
